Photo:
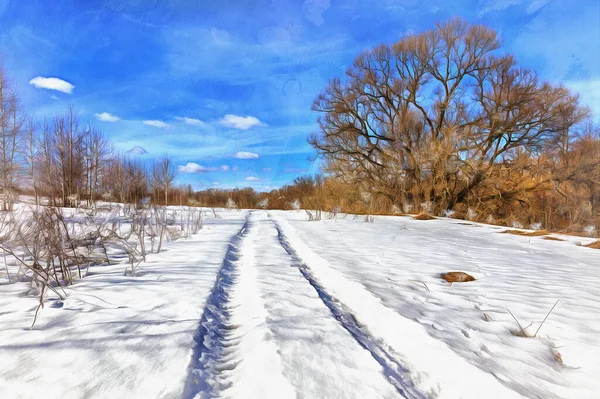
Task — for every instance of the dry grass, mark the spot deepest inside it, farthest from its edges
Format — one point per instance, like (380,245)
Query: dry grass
(424,216)
(536,233)
(550,238)
(594,245)
(457,277)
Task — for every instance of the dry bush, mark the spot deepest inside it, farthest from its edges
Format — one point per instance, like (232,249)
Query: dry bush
(457,277)
(537,233)
(594,245)
(551,238)
(424,216)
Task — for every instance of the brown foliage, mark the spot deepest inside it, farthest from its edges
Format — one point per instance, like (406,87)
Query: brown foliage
(457,277)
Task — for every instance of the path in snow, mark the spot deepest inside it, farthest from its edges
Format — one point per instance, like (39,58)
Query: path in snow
(268,333)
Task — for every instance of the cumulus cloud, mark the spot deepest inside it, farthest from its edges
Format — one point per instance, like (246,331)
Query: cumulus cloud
(190,121)
(52,84)
(246,155)
(252,178)
(240,122)
(192,167)
(225,168)
(156,123)
(137,150)
(107,117)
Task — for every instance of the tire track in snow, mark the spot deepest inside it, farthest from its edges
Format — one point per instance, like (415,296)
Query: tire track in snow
(231,350)
(394,371)
(320,357)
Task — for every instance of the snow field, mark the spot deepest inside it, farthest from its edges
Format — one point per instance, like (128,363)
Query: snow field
(267,304)
(398,260)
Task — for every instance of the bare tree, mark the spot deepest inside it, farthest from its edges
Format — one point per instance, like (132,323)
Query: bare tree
(11,124)
(428,118)
(30,154)
(163,174)
(97,152)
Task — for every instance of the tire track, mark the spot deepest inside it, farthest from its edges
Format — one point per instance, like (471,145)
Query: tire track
(212,340)
(235,355)
(392,369)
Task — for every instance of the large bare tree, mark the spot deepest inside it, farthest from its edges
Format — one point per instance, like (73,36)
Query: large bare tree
(428,118)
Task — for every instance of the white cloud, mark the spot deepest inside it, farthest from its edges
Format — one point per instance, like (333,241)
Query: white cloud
(252,178)
(156,123)
(246,155)
(235,169)
(107,117)
(240,122)
(192,167)
(52,84)
(314,9)
(225,168)
(536,5)
(137,150)
(190,121)
(220,36)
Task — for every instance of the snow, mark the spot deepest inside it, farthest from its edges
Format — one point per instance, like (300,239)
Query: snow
(266,304)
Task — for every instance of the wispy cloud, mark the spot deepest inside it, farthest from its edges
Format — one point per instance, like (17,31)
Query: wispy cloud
(157,123)
(240,122)
(192,167)
(107,117)
(246,155)
(252,178)
(314,9)
(225,168)
(52,84)
(190,121)
(137,150)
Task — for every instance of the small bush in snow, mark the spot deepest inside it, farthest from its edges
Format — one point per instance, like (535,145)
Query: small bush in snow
(590,231)
(516,225)
(408,208)
(262,204)
(295,204)
(449,213)
(426,206)
(471,214)
(490,220)
(231,204)
(396,209)
(536,226)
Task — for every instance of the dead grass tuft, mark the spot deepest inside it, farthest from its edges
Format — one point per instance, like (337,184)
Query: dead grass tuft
(536,233)
(457,277)
(594,245)
(550,238)
(424,216)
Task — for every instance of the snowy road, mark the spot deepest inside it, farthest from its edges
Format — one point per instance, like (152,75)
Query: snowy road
(275,321)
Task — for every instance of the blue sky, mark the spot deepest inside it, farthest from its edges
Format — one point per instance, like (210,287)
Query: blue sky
(225,87)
